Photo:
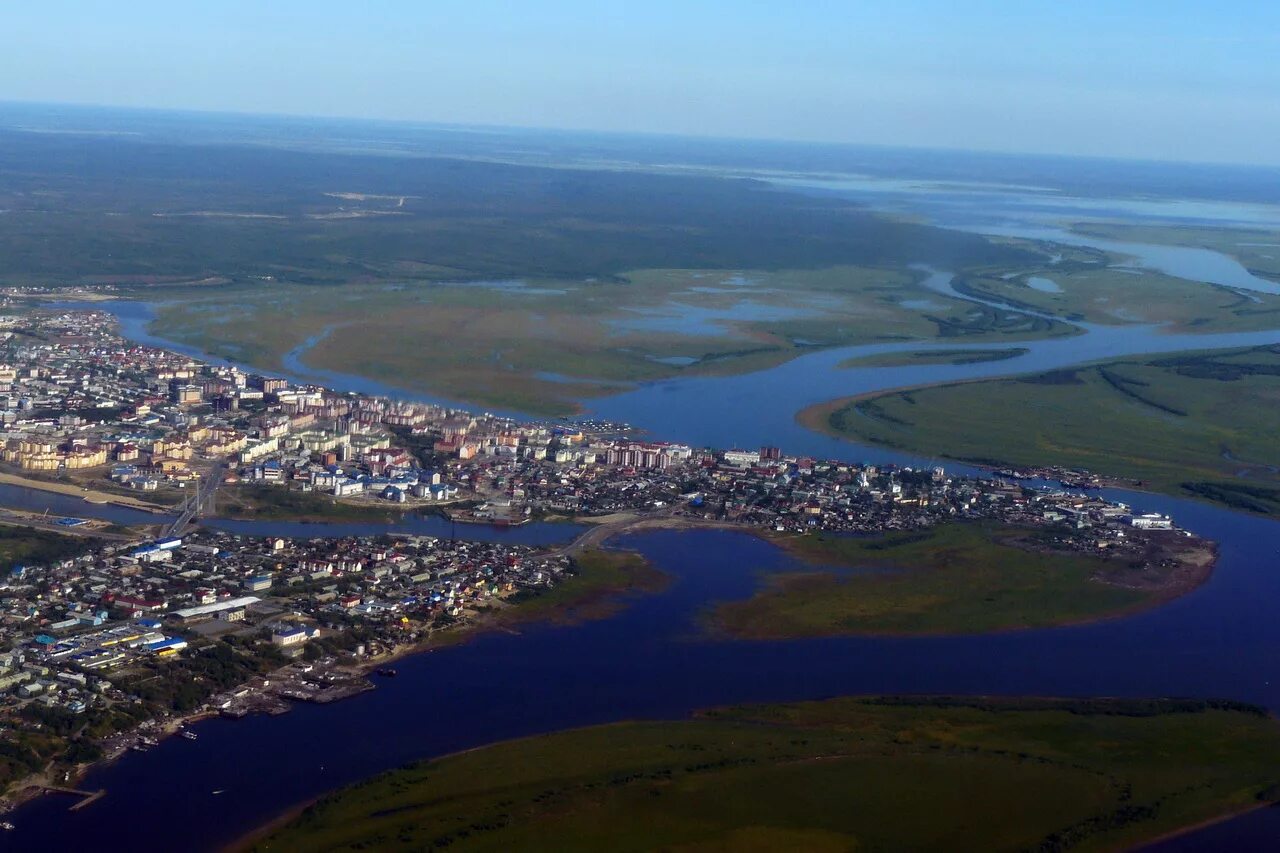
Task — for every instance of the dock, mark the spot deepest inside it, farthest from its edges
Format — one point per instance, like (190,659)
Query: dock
(86,797)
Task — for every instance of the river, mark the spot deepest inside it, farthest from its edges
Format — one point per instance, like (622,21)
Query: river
(650,661)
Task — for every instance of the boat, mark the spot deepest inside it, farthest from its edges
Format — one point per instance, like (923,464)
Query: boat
(386,672)
(219,791)
(190,735)
(6,825)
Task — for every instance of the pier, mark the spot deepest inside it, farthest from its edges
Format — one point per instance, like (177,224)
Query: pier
(87,797)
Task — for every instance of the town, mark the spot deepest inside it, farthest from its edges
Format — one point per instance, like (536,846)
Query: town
(123,632)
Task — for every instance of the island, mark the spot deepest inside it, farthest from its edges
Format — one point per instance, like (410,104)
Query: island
(880,773)
(962,579)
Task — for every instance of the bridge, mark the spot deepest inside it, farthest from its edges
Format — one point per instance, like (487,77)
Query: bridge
(200,502)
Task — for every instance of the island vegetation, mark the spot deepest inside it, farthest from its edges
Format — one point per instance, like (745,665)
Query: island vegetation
(925,358)
(1118,296)
(960,578)
(1205,424)
(841,774)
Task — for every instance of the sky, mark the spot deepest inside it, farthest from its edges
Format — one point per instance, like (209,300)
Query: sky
(1169,80)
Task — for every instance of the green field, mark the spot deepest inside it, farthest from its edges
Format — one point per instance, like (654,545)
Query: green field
(951,579)
(837,775)
(1206,423)
(927,357)
(538,345)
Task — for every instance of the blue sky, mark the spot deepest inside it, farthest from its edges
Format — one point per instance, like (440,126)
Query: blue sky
(1132,78)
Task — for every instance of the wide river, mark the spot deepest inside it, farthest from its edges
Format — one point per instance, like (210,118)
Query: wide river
(652,661)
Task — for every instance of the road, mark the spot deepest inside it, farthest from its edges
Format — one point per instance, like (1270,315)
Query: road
(668,517)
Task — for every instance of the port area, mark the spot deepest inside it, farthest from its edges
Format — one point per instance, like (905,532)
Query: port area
(321,682)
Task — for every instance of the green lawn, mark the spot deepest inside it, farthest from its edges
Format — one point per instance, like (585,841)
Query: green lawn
(841,774)
(951,579)
(1207,423)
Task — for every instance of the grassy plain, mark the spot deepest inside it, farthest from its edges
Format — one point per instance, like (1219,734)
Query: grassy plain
(145,211)
(950,579)
(1202,423)
(836,775)
(539,345)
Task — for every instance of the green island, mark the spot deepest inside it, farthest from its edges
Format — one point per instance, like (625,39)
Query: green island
(922,358)
(873,773)
(1119,296)
(959,578)
(1201,423)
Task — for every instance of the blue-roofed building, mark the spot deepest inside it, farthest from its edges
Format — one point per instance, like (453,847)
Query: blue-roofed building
(167,646)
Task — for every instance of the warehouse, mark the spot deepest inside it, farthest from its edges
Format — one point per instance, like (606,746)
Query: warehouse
(189,613)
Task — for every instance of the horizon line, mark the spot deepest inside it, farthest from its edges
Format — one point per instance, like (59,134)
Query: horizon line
(670,135)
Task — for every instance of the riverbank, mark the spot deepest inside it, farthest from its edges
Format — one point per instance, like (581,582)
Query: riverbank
(598,588)
(87,494)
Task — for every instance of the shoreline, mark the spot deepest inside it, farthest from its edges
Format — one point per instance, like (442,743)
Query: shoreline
(69,490)
(1204,824)
(247,840)
(597,536)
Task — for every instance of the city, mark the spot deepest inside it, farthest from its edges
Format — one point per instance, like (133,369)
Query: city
(124,639)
